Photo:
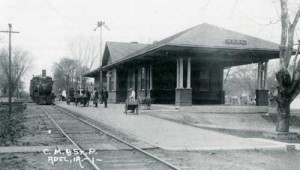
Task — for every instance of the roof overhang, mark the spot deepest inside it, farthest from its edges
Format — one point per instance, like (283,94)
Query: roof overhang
(92,73)
(230,56)
(202,42)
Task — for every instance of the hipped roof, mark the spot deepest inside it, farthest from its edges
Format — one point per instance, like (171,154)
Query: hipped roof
(118,50)
(201,36)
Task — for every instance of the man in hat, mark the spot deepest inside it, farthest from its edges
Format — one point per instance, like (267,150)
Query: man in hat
(105,97)
(131,98)
(95,97)
(132,95)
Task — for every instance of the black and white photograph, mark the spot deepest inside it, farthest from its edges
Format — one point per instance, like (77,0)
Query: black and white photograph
(149,85)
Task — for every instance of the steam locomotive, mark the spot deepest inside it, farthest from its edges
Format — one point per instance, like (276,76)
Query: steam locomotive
(41,89)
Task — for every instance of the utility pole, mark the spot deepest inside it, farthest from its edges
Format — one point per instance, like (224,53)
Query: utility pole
(17,69)
(99,25)
(9,66)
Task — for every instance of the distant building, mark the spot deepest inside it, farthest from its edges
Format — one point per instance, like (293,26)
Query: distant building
(183,69)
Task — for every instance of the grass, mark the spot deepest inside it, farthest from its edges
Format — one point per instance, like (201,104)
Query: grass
(294,120)
(11,125)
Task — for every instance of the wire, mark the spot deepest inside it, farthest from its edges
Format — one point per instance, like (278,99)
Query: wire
(273,2)
(234,6)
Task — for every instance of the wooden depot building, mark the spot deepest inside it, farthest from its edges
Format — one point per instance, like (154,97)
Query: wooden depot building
(183,69)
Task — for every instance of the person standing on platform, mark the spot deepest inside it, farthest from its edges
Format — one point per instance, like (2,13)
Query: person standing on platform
(64,95)
(131,98)
(95,97)
(132,95)
(105,97)
(60,95)
(88,94)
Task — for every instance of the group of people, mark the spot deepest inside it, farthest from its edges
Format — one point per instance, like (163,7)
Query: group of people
(95,96)
(103,95)
(62,95)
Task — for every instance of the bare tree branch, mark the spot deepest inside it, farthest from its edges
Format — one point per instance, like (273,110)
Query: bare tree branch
(84,50)
(21,63)
(227,75)
(284,34)
(273,1)
(296,19)
(295,62)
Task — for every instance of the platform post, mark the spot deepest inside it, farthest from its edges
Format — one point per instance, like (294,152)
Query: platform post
(181,72)
(188,84)
(262,96)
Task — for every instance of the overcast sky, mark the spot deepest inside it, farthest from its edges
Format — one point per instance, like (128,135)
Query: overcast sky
(47,26)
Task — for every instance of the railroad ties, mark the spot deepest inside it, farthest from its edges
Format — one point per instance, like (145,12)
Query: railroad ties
(97,148)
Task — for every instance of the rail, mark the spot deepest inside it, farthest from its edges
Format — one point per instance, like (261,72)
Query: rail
(74,143)
(118,139)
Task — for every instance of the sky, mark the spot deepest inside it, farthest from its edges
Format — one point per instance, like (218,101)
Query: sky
(46,26)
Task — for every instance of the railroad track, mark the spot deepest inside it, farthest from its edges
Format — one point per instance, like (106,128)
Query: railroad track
(87,137)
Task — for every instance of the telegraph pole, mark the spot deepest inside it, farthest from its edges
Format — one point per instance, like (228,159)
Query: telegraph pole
(9,66)
(99,25)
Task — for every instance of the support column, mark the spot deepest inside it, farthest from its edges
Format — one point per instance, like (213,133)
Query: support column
(262,76)
(151,77)
(222,92)
(262,98)
(101,81)
(107,81)
(128,80)
(181,73)
(183,96)
(115,79)
(178,73)
(259,75)
(188,84)
(222,79)
(265,76)
(112,94)
(149,88)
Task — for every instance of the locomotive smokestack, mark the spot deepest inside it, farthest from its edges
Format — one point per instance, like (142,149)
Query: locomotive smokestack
(44,73)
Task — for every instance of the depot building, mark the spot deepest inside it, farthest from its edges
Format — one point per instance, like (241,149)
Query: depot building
(183,69)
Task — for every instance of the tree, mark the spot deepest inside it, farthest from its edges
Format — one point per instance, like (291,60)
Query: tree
(240,79)
(67,73)
(243,79)
(84,50)
(21,64)
(288,82)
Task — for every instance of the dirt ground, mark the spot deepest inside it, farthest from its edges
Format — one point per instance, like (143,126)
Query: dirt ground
(38,129)
(30,128)
(34,161)
(243,125)
(257,121)
(36,133)
(233,160)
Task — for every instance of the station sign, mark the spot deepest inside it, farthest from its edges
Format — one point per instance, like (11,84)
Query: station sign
(235,42)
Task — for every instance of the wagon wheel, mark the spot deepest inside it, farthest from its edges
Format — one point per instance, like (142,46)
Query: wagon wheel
(76,102)
(137,109)
(126,107)
(87,103)
(148,104)
(81,102)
